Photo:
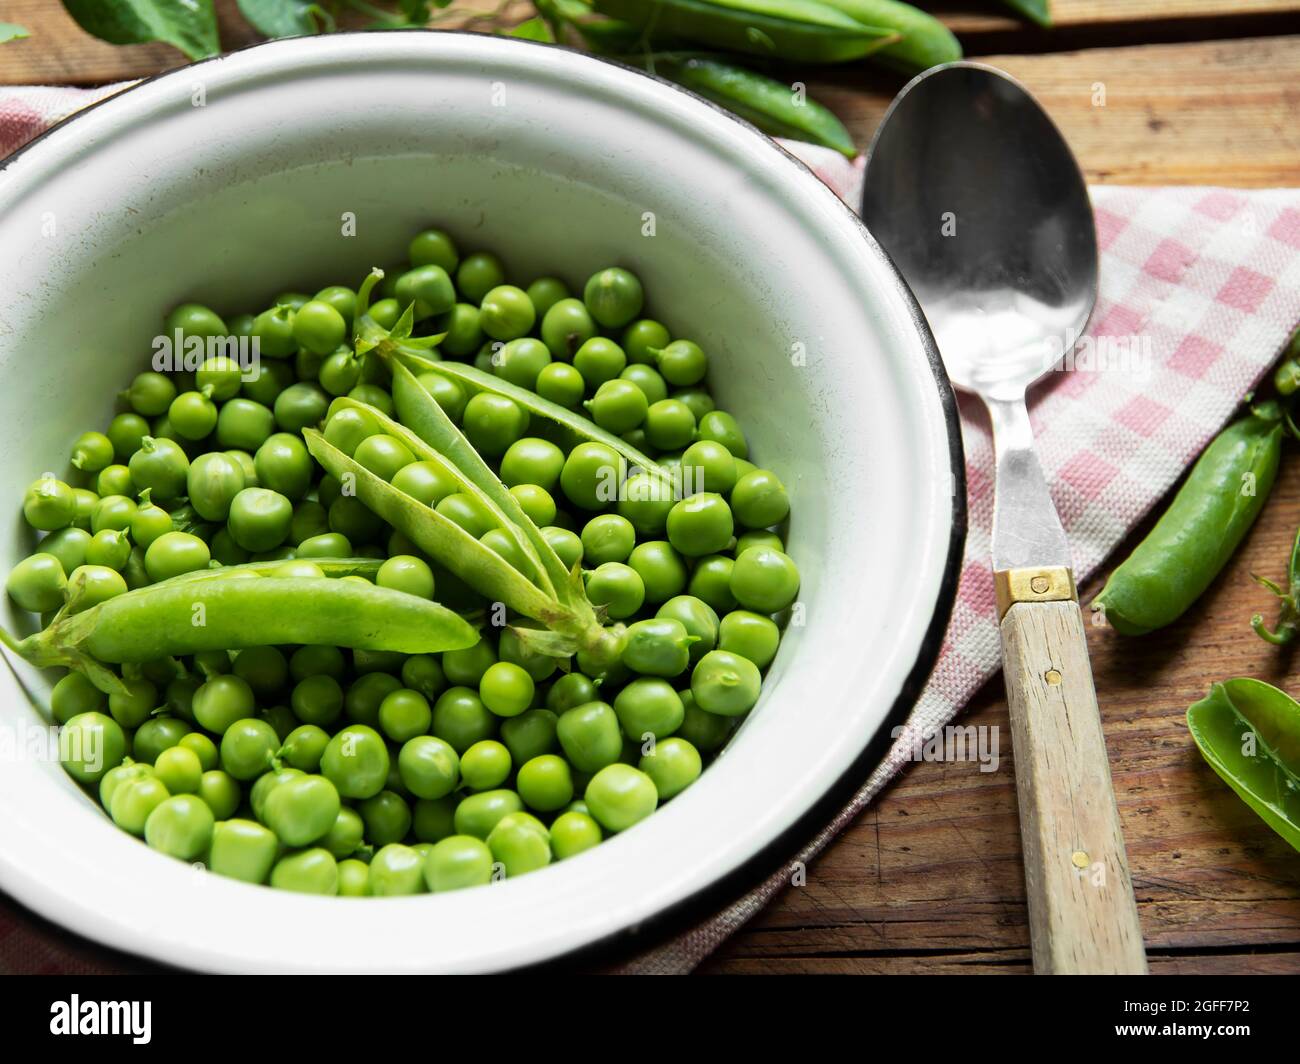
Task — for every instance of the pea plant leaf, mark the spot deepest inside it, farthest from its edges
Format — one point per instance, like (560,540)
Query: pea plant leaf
(10,32)
(285,18)
(190,25)
(535,29)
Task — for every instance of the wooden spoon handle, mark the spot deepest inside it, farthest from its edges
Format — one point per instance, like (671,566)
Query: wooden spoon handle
(1082,916)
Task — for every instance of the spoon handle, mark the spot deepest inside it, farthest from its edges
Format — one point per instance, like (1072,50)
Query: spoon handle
(1082,915)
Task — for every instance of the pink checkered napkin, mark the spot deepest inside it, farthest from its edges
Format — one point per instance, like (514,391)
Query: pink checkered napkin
(1200,288)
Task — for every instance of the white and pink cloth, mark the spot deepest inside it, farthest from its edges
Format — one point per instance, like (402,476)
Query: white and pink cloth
(1200,289)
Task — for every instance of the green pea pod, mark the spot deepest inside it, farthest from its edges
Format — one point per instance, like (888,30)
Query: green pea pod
(925,42)
(1196,536)
(180,617)
(771,105)
(442,539)
(800,30)
(1034,10)
(1249,732)
(583,429)
(420,412)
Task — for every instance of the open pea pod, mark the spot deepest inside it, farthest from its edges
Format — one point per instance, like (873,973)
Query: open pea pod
(444,540)
(505,511)
(580,426)
(1249,732)
(332,567)
(420,413)
(179,617)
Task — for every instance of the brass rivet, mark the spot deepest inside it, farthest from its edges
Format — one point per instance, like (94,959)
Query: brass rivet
(1052,676)
(1040,585)
(1079,859)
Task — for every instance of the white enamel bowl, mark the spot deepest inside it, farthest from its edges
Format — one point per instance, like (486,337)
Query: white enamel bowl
(563,163)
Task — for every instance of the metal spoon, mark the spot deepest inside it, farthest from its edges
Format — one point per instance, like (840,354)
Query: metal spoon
(976,196)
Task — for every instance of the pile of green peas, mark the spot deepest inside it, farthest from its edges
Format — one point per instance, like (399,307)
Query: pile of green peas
(323,770)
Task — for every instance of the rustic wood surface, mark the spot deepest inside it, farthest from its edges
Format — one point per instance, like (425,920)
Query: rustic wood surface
(930,878)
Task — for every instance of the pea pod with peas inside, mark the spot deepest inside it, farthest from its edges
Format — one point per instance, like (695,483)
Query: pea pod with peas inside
(771,105)
(190,615)
(1249,732)
(1198,533)
(800,30)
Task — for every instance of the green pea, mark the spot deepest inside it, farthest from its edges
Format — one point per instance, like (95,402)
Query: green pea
(447,393)
(757,538)
(356,762)
(192,416)
(354,879)
(434,819)
(642,338)
(617,587)
(599,360)
(433,247)
(561,384)
(722,427)
(73,695)
(404,572)
(284,466)
(366,695)
(243,850)
(505,313)
(506,689)
(302,810)
(614,297)
(461,718)
(590,736)
(429,768)
(566,544)
(711,582)
(658,647)
(383,455)
(479,813)
(127,432)
(646,378)
(485,765)
(545,783)
(493,422)
(69,546)
(247,747)
(179,769)
(317,700)
(456,862)
(421,672)
(520,843)
(404,714)
(673,765)
(181,826)
(135,801)
(346,834)
(620,796)
(751,635)
(648,706)
(725,683)
(572,833)
(201,747)
(545,292)
(566,327)
(49,504)
(571,689)
(530,735)
(222,701)
(119,776)
(759,499)
(304,747)
(387,817)
(396,870)
(646,501)
(429,288)
(319,327)
(764,580)
(133,705)
(37,583)
(348,427)
(311,871)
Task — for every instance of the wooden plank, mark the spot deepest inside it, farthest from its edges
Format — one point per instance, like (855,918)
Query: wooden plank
(973,17)
(930,878)
(1218,112)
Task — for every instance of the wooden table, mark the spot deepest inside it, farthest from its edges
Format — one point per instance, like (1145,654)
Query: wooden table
(930,878)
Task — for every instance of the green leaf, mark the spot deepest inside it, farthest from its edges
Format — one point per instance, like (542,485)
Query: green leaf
(190,25)
(1035,10)
(1240,714)
(11,32)
(535,29)
(283,18)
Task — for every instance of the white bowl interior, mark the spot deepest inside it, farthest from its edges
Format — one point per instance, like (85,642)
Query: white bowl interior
(562,164)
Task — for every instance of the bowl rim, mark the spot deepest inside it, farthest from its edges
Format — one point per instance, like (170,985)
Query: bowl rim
(713,897)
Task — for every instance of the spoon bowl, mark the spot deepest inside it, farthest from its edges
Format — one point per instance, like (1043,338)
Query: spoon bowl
(979,201)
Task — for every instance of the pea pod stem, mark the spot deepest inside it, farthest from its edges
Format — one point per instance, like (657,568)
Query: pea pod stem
(1284,631)
(1198,533)
(180,617)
